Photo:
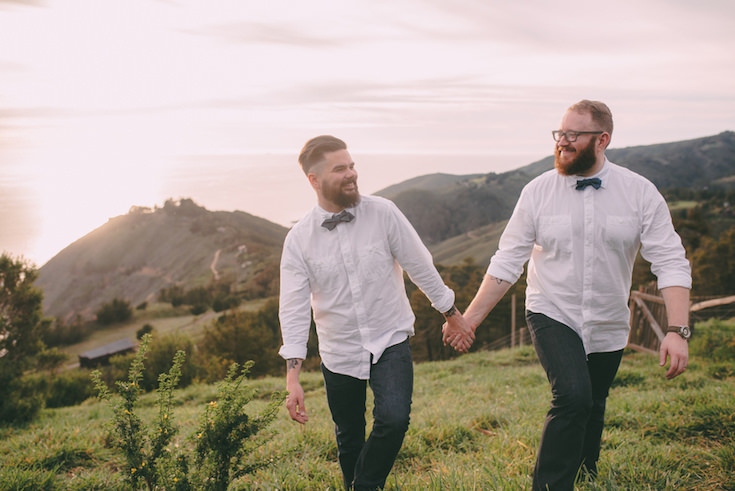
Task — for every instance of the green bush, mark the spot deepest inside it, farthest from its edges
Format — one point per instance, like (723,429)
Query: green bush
(243,336)
(21,398)
(161,353)
(714,340)
(146,329)
(199,308)
(115,311)
(69,389)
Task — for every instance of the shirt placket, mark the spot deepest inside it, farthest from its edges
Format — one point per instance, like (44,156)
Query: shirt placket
(589,253)
(353,277)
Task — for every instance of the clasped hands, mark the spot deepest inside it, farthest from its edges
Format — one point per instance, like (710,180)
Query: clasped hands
(458,333)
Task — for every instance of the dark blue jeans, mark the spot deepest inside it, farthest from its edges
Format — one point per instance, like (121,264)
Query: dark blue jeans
(366,464)
(579,387)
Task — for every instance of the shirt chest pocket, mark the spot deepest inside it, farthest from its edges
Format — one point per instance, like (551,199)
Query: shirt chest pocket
(555,234)
(622,232)
(376,263)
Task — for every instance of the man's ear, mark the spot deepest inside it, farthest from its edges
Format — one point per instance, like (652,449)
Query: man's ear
(604,140)
(313,180)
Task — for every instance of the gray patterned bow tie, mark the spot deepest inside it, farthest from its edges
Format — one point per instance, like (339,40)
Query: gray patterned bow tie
(595,182)
(342,216)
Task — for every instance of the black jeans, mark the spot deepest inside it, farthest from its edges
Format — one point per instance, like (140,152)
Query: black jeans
(366,464)
(579,387)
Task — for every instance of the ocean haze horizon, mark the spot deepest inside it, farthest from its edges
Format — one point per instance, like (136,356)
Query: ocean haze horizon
(271,186)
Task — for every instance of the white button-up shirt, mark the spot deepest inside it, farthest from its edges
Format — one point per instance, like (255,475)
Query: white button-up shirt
(352,278)
(582,246)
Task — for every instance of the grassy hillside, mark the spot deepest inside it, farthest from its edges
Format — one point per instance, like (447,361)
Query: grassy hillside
(479,244)
(429,182)
(475,424)
(134,256)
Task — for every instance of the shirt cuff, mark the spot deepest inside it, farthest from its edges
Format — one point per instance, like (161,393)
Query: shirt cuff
(289,351)
(682,280)
(502,274)
(446,303)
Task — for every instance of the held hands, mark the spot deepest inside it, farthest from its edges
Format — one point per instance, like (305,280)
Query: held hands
(677,348)
(458,333)
(295,404)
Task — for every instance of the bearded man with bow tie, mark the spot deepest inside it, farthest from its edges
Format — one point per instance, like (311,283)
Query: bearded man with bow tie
(582,224)
(344,261)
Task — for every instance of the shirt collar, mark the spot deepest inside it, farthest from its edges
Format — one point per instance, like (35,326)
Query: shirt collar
(322,213)
(571,181)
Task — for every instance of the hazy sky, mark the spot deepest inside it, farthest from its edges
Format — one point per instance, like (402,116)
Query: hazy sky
(108,104)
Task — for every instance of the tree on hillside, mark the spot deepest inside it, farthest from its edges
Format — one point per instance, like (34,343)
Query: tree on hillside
(464,279)
(240,337)
(115,311)
(713,265)
(21,333)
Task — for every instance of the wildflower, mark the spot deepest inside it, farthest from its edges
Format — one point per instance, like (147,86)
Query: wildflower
(132,471)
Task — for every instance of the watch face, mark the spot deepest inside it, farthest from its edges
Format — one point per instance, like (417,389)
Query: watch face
(685,332)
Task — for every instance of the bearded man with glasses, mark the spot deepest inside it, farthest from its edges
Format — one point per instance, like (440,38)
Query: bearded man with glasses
(582,225)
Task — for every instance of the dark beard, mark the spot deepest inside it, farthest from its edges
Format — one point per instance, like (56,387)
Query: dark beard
(341,199)
(582,162)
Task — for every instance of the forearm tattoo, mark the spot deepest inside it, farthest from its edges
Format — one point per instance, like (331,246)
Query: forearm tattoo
(292,363)
(497,280)
(450,312)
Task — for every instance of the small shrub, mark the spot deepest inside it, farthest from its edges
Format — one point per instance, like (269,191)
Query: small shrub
(222,442)
(199,308)
(146,329)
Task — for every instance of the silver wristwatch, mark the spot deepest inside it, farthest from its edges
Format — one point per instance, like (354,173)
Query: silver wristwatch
(684,331)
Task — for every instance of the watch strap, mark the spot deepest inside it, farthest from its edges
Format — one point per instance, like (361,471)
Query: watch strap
(684,331)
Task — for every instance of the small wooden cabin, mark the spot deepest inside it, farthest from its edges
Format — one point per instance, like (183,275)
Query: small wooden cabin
(101,356)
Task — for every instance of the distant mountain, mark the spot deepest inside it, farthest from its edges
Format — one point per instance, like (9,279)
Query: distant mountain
(132,257)
(444,208)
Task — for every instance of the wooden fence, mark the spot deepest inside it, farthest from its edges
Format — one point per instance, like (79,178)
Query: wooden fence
(648,321)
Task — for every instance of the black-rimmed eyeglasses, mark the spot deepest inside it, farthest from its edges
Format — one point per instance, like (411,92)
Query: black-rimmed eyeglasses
(571,136)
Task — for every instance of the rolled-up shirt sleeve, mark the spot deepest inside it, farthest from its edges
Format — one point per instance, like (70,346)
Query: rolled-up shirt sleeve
(294,311)
(661,245)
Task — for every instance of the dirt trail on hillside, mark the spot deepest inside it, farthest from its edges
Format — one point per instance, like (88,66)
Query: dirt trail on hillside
(213,266)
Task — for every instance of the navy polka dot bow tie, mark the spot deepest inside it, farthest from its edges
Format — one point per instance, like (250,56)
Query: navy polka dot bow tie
(595,182)
(342,216)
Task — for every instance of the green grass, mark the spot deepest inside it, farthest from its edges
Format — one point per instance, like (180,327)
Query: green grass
(475,425)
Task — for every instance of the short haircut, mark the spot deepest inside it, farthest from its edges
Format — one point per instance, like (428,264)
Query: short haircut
(313,152)
(599,111)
